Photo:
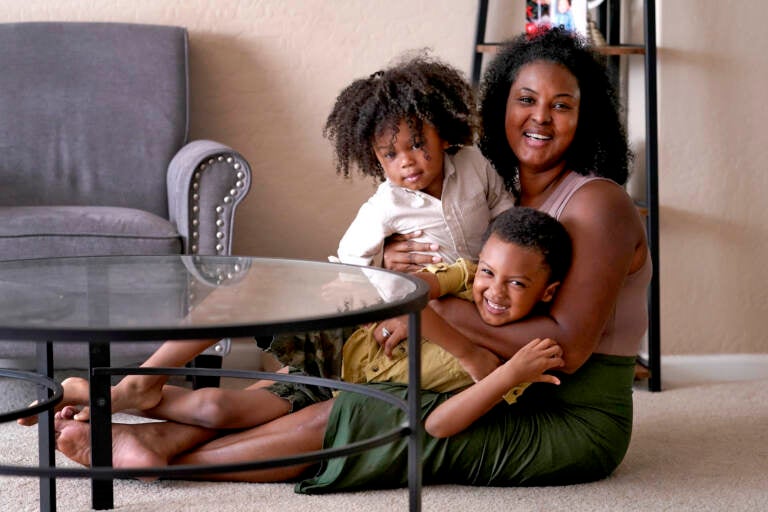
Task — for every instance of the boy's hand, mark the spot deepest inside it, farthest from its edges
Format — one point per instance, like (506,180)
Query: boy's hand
(535,358)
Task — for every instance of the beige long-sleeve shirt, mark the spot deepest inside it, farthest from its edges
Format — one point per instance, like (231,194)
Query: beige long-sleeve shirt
(473,194)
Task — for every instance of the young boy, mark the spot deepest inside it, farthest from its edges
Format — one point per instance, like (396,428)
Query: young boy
(525,256)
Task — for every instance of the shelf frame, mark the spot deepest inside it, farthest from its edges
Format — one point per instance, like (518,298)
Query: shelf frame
(614,49)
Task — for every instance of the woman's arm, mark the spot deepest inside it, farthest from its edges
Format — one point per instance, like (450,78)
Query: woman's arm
(527,365)
(608,244)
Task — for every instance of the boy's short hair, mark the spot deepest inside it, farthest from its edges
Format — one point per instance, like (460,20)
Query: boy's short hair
(536,230)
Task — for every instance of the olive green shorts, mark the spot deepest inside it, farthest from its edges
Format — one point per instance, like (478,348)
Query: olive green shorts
(299,395)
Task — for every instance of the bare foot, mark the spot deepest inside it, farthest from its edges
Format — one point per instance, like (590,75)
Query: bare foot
(76,392)
(73,439)
(135,392)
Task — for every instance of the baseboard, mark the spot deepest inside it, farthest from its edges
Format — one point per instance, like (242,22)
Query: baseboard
(700,368)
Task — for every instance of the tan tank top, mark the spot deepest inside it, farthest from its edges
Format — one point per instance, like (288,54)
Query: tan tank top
(628,323)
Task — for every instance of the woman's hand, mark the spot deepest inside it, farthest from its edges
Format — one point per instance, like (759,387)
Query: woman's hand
(401,253)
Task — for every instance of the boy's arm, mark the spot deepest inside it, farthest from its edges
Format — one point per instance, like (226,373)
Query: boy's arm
(432,282)
(444,279)
(527,365)
(477,361)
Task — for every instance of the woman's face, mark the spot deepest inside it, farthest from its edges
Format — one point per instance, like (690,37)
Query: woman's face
(542,115)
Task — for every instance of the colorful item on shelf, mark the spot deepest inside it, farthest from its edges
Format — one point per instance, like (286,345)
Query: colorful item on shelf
(566,14)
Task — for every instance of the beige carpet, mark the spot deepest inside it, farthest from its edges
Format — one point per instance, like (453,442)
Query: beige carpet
(696,448)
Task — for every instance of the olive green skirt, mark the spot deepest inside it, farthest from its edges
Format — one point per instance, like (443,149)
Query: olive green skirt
(554,435)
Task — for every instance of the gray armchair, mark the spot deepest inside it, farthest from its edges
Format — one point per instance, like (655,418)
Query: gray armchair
(94,157)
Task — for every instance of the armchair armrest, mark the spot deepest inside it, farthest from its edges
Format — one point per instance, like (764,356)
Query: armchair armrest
(206,181)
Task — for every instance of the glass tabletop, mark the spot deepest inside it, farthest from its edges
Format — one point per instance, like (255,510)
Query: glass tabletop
(115,298)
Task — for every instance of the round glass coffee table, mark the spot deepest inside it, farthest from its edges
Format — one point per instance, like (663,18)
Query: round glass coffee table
(129,299)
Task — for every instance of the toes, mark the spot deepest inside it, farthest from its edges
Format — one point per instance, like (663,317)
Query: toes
(67,413)
(83,415)
(29,420)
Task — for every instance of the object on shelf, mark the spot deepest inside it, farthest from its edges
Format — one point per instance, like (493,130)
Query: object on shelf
(566,14)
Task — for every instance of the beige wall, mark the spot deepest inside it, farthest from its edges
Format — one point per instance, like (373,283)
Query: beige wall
(713,185)
(265,74)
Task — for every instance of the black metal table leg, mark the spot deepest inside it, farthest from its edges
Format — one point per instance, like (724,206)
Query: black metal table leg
(45,431)
(414,411)
(102,493)
(206,361)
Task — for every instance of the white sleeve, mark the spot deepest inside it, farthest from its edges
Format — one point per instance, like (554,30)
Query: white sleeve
(364,238)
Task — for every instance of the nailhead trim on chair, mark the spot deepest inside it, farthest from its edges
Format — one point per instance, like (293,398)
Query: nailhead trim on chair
(215,273)
(235,193)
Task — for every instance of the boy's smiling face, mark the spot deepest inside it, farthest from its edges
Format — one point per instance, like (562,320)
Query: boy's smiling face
(510,280)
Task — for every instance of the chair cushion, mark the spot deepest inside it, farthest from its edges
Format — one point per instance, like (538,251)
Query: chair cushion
(52,231)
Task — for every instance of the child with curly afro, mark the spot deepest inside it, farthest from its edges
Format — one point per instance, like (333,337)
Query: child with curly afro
(412,127)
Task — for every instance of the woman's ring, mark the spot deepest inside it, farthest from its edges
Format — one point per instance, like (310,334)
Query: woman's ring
(385,332)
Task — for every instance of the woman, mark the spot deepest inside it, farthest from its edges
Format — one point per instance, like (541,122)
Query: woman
(552,130)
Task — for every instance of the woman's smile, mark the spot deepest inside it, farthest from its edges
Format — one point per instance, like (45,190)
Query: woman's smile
(537,136)
(537,139)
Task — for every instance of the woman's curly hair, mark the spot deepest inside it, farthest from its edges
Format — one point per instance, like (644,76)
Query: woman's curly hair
(415,90)
(600,145)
